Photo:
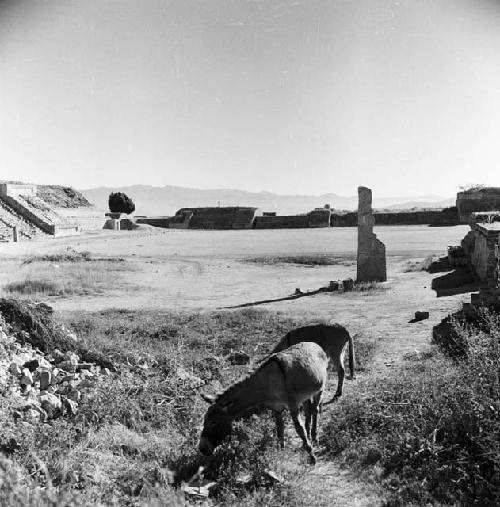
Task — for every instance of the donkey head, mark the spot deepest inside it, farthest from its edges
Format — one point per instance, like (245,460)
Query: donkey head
(216,427)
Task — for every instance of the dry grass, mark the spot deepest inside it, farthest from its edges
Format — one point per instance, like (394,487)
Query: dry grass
(370,286)
(66,280)
(69,255)
(429,432)
(305,260)
(67,274)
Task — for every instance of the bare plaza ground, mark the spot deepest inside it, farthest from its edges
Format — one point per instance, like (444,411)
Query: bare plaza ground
(210,269)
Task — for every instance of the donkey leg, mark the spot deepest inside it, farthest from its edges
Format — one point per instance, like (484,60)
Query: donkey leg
(280,428)
(315,408)
(308,416)
(341,375)
(299,428)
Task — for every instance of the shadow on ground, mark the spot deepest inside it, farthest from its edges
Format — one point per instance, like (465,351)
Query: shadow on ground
(459,281)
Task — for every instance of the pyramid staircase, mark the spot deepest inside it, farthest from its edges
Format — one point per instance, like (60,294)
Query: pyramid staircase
(10,219)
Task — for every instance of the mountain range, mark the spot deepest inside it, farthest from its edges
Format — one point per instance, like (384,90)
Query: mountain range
(150,200)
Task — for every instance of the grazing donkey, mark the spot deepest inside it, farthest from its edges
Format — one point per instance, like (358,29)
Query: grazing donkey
(287,379)
(333,338)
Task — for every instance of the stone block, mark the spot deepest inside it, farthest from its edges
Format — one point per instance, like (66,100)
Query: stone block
(45,379)
(371,264)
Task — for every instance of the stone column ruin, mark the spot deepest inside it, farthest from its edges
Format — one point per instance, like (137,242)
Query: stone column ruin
(371,251)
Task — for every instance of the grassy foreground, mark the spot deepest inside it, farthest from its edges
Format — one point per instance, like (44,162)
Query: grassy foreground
(134,439)
(430,432)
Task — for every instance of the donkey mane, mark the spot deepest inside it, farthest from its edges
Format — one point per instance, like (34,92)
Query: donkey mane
(220,398)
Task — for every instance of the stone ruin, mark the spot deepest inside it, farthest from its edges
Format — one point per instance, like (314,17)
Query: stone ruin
(371,251)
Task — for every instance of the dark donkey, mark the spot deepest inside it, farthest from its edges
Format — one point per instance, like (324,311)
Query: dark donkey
(287,379)
(333,338)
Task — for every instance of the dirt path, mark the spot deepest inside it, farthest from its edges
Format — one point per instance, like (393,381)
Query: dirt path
(384,317)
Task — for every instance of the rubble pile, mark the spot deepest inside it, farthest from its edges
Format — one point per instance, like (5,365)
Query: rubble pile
(42,385)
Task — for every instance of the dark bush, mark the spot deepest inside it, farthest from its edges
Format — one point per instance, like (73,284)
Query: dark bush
(120,203)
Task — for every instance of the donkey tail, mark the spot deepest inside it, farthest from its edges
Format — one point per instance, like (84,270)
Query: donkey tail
(351,358)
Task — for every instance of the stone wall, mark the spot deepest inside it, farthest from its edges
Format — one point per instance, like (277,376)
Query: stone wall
(424,217)
(282,222)
(162,222)
(230,217)
(349,219)
(237,218)
(85,218)
(477,199)
(16,189)
(479,247)
(319,217)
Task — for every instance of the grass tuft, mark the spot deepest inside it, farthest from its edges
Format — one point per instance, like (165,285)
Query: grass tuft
(68,274)
(305,260)
(370,286)
(69,256)
(35,287)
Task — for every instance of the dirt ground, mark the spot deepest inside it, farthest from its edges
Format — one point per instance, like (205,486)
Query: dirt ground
(204,270)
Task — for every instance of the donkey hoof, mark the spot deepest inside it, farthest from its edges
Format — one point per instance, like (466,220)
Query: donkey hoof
(312,459)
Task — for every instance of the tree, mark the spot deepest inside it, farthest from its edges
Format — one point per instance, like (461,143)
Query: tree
(120,203)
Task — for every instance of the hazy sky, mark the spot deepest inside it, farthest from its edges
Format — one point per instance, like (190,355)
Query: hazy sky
(291,96)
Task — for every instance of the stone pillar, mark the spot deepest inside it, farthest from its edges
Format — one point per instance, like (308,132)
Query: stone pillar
(371,251)
(15,234)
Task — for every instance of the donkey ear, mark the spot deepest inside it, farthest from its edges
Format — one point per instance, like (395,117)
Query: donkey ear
(209,399)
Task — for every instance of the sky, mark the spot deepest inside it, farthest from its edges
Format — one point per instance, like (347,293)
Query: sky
(289,96)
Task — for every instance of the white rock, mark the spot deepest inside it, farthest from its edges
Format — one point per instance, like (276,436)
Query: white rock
(51,404)
(27,377)
(70,364)
(71,406)
(74,395)
(15,369)
(45,364)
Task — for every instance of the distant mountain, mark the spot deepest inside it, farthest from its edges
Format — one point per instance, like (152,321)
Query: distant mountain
(423,204)
(167,200)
